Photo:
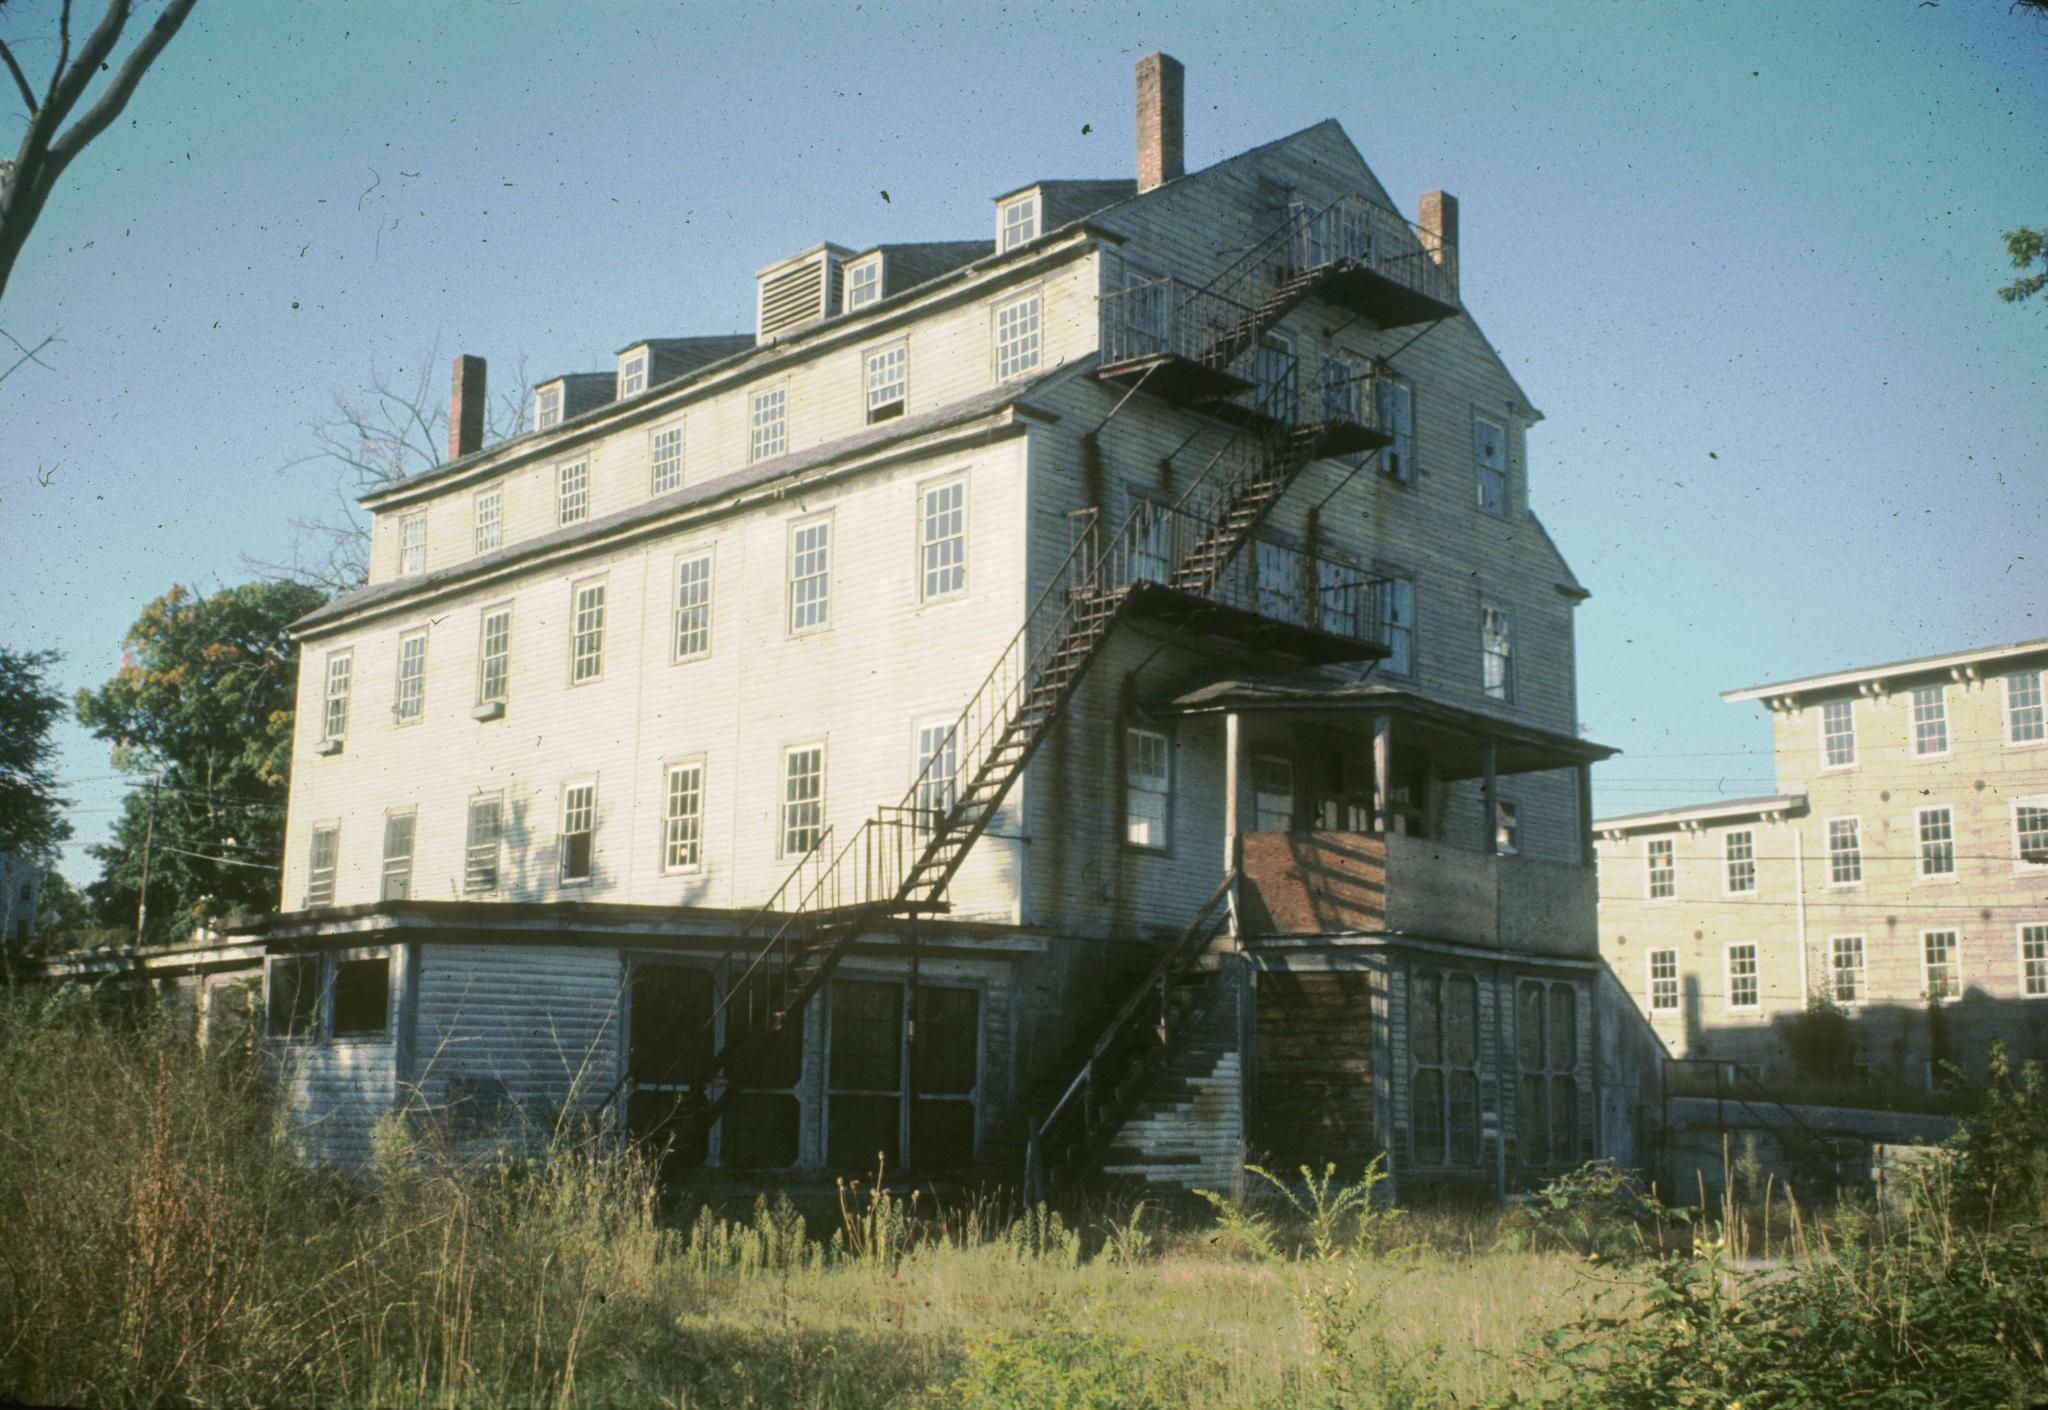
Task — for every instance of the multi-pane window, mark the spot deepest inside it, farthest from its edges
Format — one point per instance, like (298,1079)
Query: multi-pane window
(938,769)
(1017,337)
(942,539)
(1838,732)
(1394,609)
(1661,855)
(341,667)
(487,518)
(633,376)
(682,813)
(887,382)
(1941,964)
(1547,1049)
(863,283)
(665,456)
(1845,969)
(412,678)
(2034,961)
(1742,976)
(693,606)
(412,544)
(1845,852)
(1340,598)
(1937,836)
(1148,785)
(803,799)
(2030,833)
(398,834)
(480,848)
(572,492)
(1507,829)
(1020,222)
(586,634)
(1497,653)
(2026,719)
(494,656)
(810,575)
(1443,1044)
(1930,719)
(864,1063)
(576,846)
(547,408)
(1397,419)
(321,863)
(1272,794)
(1663,981)
(1490,463)
(1738,853)
(768,423)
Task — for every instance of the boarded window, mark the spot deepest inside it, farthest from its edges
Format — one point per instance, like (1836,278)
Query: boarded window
(1547,1051)
(362,998)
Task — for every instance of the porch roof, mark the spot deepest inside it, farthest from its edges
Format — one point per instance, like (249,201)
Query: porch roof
(1454,736)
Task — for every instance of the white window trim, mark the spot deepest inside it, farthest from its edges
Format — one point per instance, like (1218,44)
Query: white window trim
(668,769)
(1506,464)
(542,396)
(399,721)
(995,336)
(405,523)
(348,696)
(709,553)
(576,589)
(1923,877)
(935,720)
(332,825)
(1862,969)
(496,795)
(410,812)
(1677,1004)
(1828,854)
(2021,866)
(1032,201)
(789,576)
(782,852)
(682,455)
(1948,738)
(902,403)
(1728,975)
(1507,615)
(939,482)
(1650,898)
(1820,725)
(754,399)
(1956,964)
(2040,674)
(864,263)
(1124,793)
(562,468)
(483,618)
(562,830)
(2019,944)
(643,361)
(496,487)
(1756,875)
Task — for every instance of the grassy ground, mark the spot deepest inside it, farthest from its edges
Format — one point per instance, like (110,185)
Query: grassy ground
(161,1247)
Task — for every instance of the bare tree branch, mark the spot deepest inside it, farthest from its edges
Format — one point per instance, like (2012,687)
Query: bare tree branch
(126,78)
(28,96)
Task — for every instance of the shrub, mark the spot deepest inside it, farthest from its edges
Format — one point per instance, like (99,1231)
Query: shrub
(1597,1211)
(2001,1149)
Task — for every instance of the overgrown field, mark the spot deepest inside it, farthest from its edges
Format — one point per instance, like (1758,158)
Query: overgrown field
(159,1246)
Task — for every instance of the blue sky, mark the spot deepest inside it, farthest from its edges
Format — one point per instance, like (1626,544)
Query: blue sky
(1742,255)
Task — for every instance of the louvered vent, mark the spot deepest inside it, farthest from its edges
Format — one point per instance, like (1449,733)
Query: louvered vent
(801,290)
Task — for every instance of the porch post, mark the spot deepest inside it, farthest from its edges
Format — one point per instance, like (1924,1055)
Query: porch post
(1382,770)
(1585,773)
(1233,839)
(1489,802)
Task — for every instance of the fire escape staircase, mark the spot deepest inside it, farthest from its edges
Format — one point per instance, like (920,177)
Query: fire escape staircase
(899,863)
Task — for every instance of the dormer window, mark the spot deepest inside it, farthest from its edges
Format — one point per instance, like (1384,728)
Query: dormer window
(863,283)
(547,408)
(633,375)
(1017,222)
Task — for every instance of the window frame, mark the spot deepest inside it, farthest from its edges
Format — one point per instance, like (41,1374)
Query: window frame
(484,657)
(314,1031)
(1651,981)
(345,657)
(1953,963)
(1035,337)
(2040,704)
(925,490)
(1821,722)
(331,966)
(1755,976)
(655,438)
(1670,846)
(1383,593)
(470,845)
(1032,204)
(1855,822)
(1920,872)
(909,1090)
(767,437)
(1505,695)
(494,494)
(1480,469)
(2020,929)
(601,583)
(562,833)
(1550,1076)
(418,698)
(785,803)
(872,412)
(708,556)
(329,828)
(1913,722)
(412,556)
(548,404)
(409,815)
(2035,802)
(638,365)
(563,470)
(1393,465)
(1507,828)
(791,579)
(1729,863)
(670,768)
(930,736)
(854,271)
(1861,951)
(1445,1069)
(1163,793)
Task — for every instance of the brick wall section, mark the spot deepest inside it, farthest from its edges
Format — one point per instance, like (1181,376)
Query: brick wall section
(1314,1084)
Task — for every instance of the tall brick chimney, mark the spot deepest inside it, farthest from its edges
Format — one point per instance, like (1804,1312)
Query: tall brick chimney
(1438,218)
(1161,129)
(466,407)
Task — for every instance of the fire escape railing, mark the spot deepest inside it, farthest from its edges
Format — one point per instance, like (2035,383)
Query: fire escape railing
(1358,230)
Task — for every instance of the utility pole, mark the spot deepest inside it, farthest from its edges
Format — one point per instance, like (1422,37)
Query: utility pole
(148,836)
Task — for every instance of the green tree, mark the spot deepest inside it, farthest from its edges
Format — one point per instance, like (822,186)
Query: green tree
(2027,248)
(201,714)
(31,814)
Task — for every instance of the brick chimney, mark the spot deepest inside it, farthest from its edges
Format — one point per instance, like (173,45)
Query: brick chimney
(1438,218)
(466,407)
(1161,128)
